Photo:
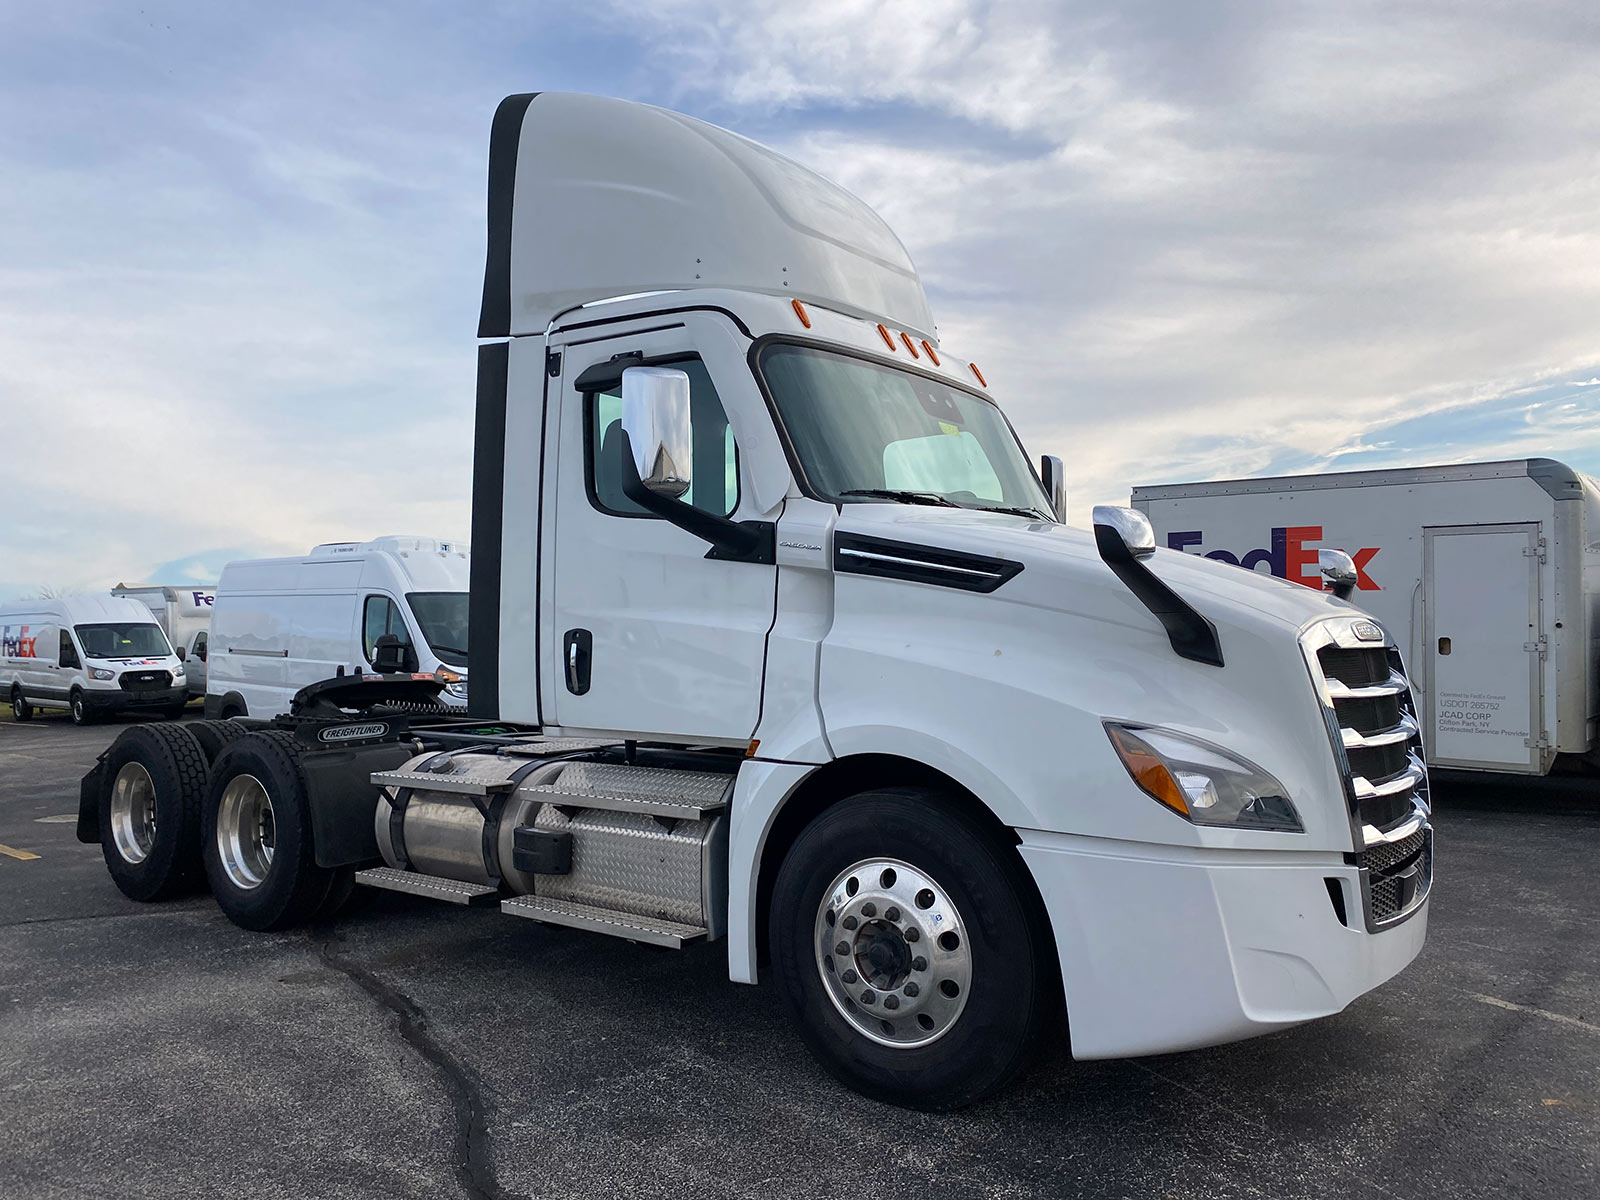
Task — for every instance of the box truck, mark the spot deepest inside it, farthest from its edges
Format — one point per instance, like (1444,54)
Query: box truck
(184,614)
(91,655)
(778,640)
(278,624)
(1487,575)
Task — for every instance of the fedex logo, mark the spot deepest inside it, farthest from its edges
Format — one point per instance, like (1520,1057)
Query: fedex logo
(1288,557)
(15,642)
(206,598)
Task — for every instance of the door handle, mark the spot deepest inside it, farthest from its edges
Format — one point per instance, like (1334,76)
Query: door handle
(578,650)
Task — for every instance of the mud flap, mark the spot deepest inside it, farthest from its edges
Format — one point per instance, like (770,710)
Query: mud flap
(343,800)
(89,804)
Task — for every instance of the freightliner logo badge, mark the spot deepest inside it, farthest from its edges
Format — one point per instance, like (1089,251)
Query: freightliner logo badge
(352,733)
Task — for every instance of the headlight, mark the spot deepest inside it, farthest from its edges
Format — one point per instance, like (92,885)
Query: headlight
(455,683)
(1202,782)
(101,673)
(177,671)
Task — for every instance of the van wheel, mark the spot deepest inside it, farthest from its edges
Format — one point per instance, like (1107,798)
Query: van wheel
(20,708)
(230,711)
(152,785)
(256,835)
(215,736)
(911,951)
(80,711)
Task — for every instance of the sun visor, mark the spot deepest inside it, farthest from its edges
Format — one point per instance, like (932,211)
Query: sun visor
(591,197)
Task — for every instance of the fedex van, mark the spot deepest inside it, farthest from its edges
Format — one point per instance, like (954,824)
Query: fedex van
(184,613)
(90,655)
(278,624)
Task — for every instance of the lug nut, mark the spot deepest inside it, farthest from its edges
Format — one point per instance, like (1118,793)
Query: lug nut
(849,977)
(867,997)
(913,934)
(848,922)
(869,909)
(919,963)
(891,913)
(842,948)
(911,988)
(891,1002)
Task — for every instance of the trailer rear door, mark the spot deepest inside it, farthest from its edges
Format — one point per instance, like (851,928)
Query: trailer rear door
(1481,617)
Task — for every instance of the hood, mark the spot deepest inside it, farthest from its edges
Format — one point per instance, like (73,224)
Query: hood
(1062,569)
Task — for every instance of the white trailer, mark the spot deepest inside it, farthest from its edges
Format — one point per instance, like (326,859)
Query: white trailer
(778,640)
(184,612)
(1486,574)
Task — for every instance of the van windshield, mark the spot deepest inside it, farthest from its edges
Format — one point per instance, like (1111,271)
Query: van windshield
(443,617)
(867,432)
(122,640)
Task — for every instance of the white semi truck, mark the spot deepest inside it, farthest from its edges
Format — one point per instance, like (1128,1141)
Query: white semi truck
(778,641)
(1487,575)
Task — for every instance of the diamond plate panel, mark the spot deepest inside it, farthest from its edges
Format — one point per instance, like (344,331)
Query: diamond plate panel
(702,789)
(584,916)
(630,863)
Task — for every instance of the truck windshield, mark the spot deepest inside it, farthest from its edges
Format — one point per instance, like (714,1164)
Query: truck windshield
(443,617)
(122,640)
(866,432)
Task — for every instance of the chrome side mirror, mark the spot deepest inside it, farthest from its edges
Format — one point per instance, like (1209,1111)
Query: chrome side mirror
(1339,569)
(655,416)
(1130,525)
(1054,475)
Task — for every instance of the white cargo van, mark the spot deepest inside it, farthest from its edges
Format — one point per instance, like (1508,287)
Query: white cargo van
(1487,575)
(184,614)
(280,623)
(90,655)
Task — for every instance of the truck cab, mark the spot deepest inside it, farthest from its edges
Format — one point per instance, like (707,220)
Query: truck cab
(780,638)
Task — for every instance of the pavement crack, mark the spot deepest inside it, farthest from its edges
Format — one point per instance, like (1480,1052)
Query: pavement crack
(470,1152)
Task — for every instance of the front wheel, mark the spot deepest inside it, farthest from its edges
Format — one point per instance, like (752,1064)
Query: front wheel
(911,950)
(20,708)
(81,713)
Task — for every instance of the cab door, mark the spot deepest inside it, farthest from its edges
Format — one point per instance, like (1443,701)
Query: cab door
(643,635)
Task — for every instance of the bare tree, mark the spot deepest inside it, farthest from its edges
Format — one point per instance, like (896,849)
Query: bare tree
(48,591)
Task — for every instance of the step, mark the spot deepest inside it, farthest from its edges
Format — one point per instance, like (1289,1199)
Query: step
(465,783)
(652,930)
(656,791)
(542,747)
(451,891)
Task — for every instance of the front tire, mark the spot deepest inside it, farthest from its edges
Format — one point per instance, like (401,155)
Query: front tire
(256,835)
(81,713)
(20,708)
(153,782)
(911,950)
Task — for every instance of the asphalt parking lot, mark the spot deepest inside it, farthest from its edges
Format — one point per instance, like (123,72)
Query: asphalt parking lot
(421,1050)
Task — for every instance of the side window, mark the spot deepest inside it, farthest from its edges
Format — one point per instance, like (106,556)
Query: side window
(199,650)
(714,457)
(381,616)
(69,652)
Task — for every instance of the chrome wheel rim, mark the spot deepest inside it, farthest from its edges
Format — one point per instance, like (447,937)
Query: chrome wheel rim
(133,813)
(246,832)
(892,952)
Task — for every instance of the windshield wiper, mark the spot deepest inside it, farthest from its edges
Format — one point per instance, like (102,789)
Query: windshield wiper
(438,646)
(1016,512)
(904,497)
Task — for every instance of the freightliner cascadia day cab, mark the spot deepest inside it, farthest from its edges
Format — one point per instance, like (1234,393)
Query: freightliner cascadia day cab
(1486,574)
(92,655)
(778,640)
(184,614)
(280,623)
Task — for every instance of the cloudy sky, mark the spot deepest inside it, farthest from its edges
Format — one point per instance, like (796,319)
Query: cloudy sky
(241,244)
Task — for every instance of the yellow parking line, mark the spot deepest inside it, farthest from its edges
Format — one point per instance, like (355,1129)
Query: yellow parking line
(24,855)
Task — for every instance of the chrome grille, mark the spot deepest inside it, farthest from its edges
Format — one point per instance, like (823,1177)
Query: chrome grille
(1377,742)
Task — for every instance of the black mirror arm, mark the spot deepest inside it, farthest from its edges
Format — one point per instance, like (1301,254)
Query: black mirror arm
(737,541)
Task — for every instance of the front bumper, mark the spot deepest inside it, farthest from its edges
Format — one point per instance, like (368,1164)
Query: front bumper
(106,700)
(1166,948)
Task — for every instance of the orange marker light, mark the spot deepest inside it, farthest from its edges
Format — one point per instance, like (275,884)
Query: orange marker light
(979,374)
(930,351)
(887,340)
(1148,771)
(800,311)
(910,345)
